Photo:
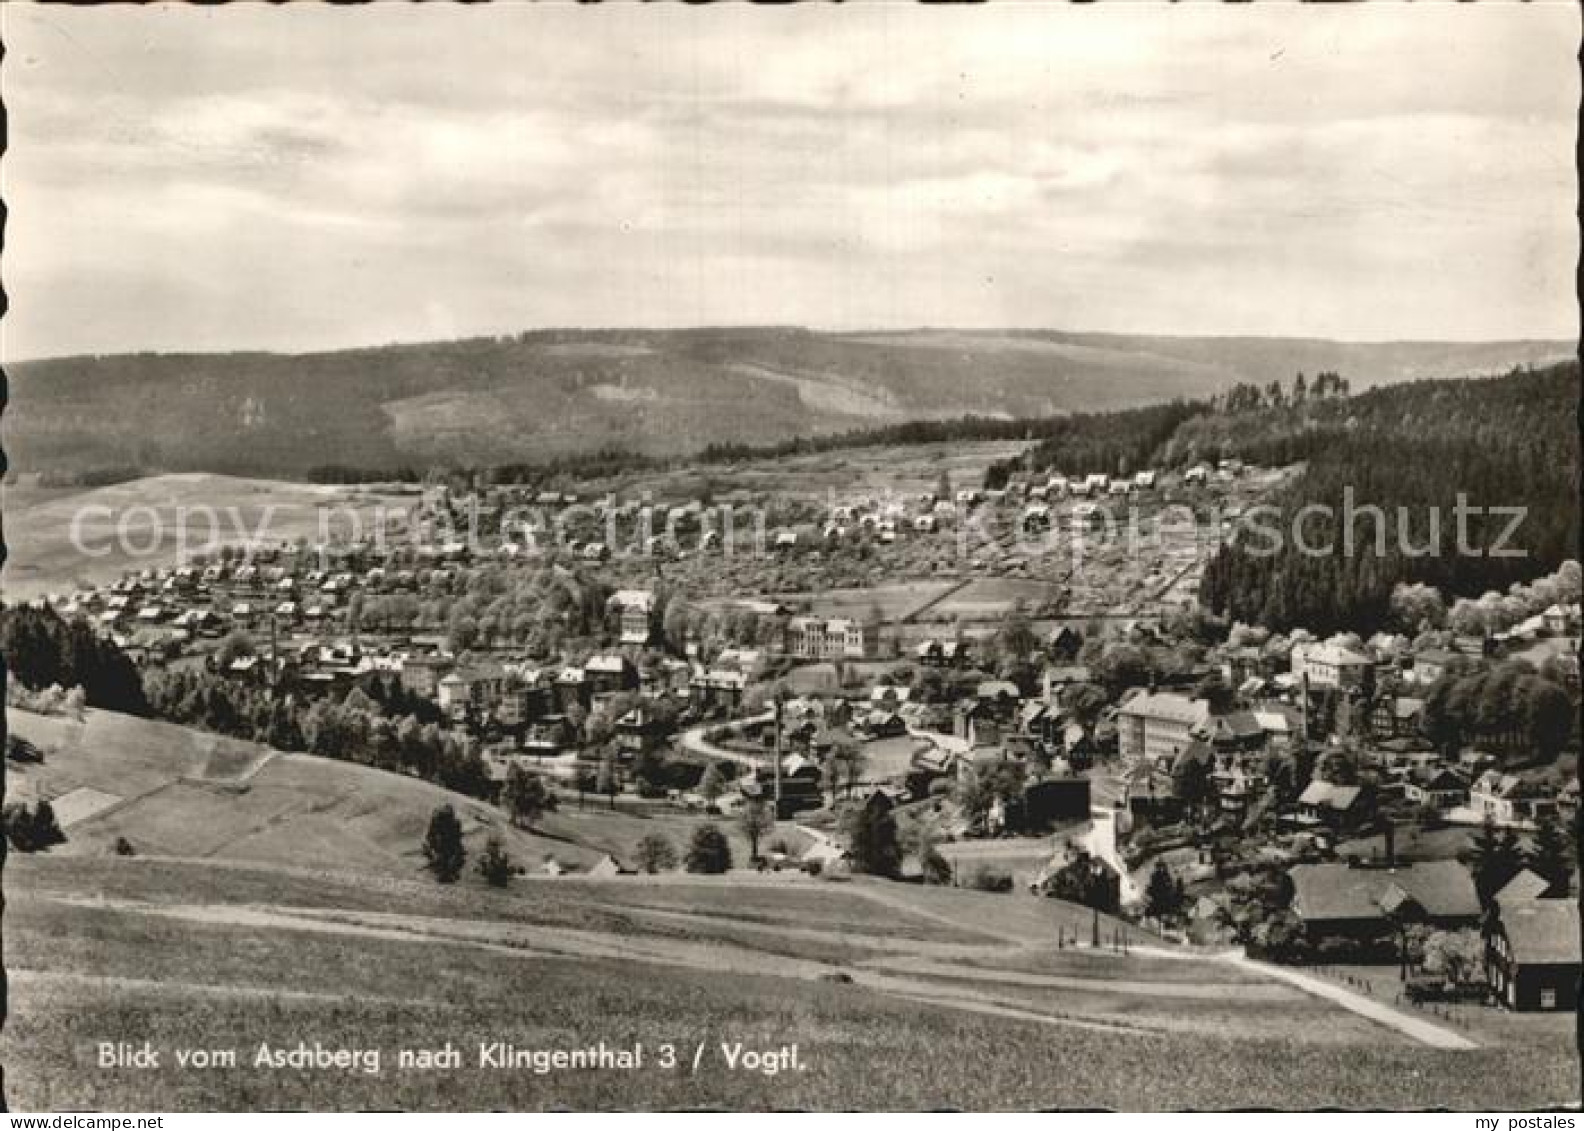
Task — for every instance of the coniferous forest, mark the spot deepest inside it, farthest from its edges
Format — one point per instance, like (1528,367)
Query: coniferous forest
(1411,451)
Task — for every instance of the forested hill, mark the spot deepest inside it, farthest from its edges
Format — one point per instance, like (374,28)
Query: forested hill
(538,396)
(1411,450)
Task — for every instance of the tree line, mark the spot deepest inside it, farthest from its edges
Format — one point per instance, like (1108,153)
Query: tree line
(378,724)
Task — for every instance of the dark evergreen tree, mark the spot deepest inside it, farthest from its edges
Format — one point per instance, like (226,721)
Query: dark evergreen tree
(1162,894)
(872,840)
(444,852)
(1551,853)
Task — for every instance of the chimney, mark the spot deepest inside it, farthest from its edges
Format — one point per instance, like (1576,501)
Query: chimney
(1391,845)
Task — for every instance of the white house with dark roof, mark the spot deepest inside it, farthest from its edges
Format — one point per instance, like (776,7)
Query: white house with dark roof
(1508,799)
(1330,667)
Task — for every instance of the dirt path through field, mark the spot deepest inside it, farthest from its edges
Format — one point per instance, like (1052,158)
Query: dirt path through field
(523,940)
(1417,1028)
(100,982)
(912,615)
(879,895)
(1204,991)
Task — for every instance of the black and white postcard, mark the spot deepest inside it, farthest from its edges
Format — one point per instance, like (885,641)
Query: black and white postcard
(867,557)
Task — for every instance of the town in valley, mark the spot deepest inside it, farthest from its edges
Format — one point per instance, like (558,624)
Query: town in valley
(851,557)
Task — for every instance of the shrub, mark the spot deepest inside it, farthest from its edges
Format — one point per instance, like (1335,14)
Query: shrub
(31,829)
(655,854)
(123,847)
(19,749)
(494,863)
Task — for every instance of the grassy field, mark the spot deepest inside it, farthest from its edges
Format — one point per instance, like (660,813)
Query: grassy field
(174,791)
(892,602)
(83,973)
(185,793)
(990,598)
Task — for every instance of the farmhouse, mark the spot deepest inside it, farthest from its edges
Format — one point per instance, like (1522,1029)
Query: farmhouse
(1064,644)
(1532,954)
(881,723)
(1435,788)
(607,867)
(1353,902)
(610,673)
(1326,803)
(977,722)
(636,731)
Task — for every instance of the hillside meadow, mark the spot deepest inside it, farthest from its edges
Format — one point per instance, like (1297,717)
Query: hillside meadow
(84,973)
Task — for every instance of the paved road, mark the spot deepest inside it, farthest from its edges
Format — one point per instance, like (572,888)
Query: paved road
(695,740)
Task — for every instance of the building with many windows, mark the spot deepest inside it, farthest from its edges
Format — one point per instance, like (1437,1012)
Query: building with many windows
(636,608)
(838,638)
(1158,726)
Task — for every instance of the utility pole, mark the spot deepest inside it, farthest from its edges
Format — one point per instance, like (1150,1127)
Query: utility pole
(1303,715)
(777,712)
(274,661)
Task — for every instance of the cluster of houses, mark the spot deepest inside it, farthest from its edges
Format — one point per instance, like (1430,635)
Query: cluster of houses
(165,609)
(887,519)
(1530,929)
(1158,729)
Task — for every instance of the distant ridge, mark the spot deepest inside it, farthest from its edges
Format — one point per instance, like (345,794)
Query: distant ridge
(533,396)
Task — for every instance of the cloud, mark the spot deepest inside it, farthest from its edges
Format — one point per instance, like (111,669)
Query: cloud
(307,176)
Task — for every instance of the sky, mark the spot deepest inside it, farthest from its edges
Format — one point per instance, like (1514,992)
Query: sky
(311,177)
